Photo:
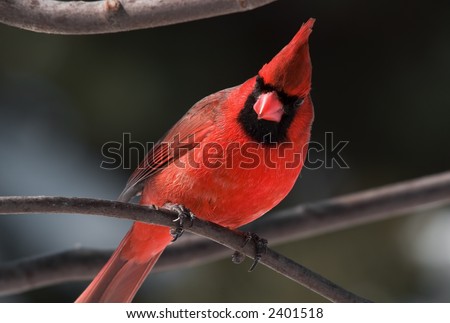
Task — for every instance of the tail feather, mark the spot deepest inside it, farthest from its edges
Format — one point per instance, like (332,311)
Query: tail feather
(121,277)
(134,275)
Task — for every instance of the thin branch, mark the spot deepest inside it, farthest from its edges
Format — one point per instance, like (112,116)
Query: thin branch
(355,209)
(107,16)
(226,237)
(295,223)
(74,265)
(310,220)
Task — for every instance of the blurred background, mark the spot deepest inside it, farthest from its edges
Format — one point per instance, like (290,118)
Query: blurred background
(380,81)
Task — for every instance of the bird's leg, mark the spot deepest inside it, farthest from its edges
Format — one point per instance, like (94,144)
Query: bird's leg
(260,249)
(183,214)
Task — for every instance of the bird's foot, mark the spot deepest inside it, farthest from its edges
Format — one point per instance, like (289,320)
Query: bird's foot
(260,249)
(184,214)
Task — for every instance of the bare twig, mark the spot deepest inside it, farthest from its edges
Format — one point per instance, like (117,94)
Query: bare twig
(331,215)
(226,237)
(107,16)
(27,274)
(295,223)
(359,208)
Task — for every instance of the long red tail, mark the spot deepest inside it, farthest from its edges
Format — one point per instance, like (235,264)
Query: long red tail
(126,270)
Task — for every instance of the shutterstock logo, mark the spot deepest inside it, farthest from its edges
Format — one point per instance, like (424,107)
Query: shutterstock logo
(213,155)
(327,154)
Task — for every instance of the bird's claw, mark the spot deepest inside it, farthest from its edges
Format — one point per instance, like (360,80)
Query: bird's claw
(183,215)
(260,249)
(237,257)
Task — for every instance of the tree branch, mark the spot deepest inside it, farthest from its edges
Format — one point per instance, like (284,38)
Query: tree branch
(226,237)
(312,219)
(31,273)
(107,16)
(355,209)
(295,223)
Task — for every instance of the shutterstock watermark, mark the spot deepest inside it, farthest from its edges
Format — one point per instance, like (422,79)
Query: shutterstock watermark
(327,154)
(187,152)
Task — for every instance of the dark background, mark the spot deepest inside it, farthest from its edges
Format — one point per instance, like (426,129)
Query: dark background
(380,81)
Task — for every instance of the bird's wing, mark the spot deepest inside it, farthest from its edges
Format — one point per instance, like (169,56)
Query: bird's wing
(185,135)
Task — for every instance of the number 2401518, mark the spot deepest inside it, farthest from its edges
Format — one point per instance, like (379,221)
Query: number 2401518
(296,313)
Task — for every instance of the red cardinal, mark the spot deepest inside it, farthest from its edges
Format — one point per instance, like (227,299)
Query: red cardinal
(234,156)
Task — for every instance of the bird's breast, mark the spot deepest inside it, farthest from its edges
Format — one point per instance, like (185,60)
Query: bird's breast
(228,182)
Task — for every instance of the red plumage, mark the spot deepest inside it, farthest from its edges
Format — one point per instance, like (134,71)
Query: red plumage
(245,175)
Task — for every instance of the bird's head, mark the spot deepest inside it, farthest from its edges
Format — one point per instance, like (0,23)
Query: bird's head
(279,90)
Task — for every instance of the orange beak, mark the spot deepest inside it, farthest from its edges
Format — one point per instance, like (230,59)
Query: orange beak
(269,107)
